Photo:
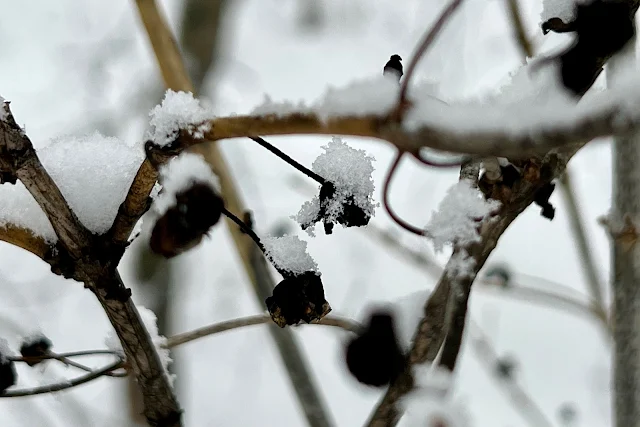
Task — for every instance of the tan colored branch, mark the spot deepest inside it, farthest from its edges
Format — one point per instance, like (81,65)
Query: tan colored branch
(25,239)
(259,319)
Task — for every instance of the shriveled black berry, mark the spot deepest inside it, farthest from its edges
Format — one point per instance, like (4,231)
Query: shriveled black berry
(35,348)
(374,357)
(183,226)
(542,200)
(510,174)
(298,299)
(8,376)
(351,216)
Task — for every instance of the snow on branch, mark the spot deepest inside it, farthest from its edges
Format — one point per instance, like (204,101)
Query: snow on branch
(289,253)
(347,195)
(459,215)
(178,111)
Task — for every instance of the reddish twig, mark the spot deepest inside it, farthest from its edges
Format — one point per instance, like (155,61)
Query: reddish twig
(427,41)
(385,199)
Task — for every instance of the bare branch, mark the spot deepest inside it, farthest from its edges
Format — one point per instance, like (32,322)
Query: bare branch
(580,236)
(518,28)
(64,385)
(259,319)
(25,239)
(432,328)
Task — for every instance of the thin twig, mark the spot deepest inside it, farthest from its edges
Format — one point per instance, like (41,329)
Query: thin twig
(385,199)
(428,39)
(245,228)
(311,174)
(582,244)
(518,28)
(259,319)
(64,385)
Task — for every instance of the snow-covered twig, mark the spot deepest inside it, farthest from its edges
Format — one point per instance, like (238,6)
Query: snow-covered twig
(25,239)
(259,319)
(431,330)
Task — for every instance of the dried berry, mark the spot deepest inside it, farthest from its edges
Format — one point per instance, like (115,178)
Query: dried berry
(184,225)
(35,348)
(351,216)
(298,299)
(542,199)
(374,357)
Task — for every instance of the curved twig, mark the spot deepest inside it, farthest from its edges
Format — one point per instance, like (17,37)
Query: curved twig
(427,41)
(385,199)
(259,319)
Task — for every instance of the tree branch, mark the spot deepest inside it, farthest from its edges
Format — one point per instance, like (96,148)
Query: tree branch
(259,319)
(432,328)
(498,141)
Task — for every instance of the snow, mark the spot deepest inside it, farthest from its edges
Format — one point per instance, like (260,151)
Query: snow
(34,337)
(179,174)
(5,351)
(432,400)
(350,170)
(455,220)
(289,253)
(308,214)
(93,172)
(178,111)
(150,321)
(376,95)
(563,9)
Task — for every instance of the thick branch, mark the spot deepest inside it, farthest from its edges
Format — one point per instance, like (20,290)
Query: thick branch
(498,141)
(432,328)
(18,157)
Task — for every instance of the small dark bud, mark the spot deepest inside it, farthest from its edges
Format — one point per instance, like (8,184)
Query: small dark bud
(393,67)
(183,226)
(542,199)
(34,348)
(505,368)
(247,218)
(374,357)
(298,299)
